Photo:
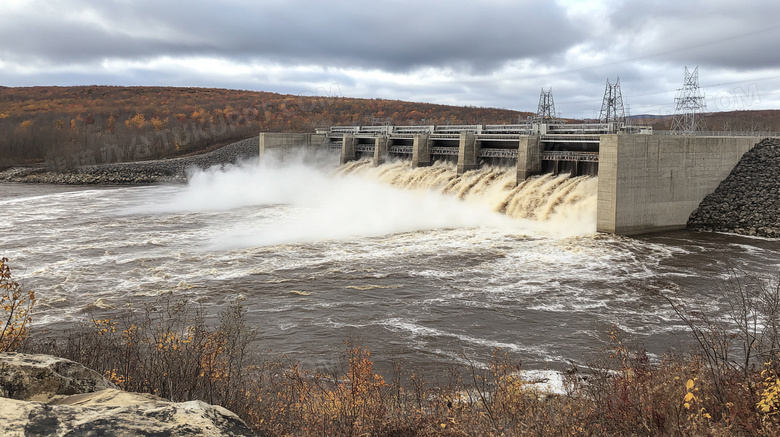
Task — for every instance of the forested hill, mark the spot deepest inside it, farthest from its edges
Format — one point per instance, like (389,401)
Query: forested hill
(79,125)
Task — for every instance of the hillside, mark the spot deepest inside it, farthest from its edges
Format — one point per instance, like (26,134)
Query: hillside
(74,126)
(767,120)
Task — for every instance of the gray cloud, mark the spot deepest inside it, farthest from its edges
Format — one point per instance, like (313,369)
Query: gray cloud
(395,36)
(492,53)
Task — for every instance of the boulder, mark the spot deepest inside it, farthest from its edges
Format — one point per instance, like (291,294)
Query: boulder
(49,396)
(43,377)
(117,413)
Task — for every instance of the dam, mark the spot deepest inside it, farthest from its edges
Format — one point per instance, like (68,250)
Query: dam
(647,181)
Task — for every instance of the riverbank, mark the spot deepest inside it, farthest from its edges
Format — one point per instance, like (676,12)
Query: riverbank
(140,172)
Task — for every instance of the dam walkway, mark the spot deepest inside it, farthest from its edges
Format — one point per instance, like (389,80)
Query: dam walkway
(559,147)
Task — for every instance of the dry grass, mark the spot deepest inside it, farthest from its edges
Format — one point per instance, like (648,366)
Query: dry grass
(171,351)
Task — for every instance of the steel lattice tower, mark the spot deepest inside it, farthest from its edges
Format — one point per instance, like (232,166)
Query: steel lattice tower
(688,103)
(546,110)
(612,107)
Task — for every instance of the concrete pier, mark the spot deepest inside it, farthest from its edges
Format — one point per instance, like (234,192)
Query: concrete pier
(348,151)
(421,151)
(381,143)
(468,152)
(654,182)
(529,158)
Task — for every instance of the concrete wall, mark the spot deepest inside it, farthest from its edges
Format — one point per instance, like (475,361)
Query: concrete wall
(348,152)
(654,182)
(529,158)
(421,151)
(288,141)
(467,152)
(381,144)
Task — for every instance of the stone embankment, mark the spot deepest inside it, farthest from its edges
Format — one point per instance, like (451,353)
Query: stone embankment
(41,395)
(141,172)
(747,202)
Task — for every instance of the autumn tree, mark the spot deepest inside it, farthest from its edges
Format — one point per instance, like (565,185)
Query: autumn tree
(16,305)
(138,121)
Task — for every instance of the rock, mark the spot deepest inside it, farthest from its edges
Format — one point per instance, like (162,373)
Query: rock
(49,396)
(43,377)
(117,413)
(748,201)
(140,172)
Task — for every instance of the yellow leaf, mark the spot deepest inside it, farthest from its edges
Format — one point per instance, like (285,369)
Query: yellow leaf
(687,406)
(689,384)
(688,397)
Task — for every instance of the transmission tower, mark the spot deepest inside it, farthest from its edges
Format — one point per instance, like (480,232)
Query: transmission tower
(688,103)
(546,109)
(612,107)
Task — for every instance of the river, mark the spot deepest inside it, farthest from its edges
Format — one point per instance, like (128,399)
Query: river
(421,266)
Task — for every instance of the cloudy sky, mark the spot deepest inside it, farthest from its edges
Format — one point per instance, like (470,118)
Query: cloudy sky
(489,53)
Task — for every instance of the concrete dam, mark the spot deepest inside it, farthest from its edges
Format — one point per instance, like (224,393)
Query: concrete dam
(646,181)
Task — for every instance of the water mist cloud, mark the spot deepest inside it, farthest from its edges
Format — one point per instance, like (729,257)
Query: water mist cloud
(272,202)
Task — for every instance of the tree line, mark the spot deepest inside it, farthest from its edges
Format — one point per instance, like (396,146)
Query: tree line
(73,126)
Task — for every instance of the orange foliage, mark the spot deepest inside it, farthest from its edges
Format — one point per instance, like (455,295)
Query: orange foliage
(138,121)
(16,305)
(125,113)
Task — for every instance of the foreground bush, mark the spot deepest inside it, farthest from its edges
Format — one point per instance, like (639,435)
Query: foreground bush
(170,350)
(15,307)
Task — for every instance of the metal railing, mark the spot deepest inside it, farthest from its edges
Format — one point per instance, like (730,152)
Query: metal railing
(412,129)
(509,129)
(497,153)
(570,156)
(566,138)
(401,150)
(344,129)
(724,133)
(448,128)
(595,128)
(448,151)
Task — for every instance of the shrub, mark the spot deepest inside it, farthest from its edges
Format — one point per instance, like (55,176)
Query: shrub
(16,305)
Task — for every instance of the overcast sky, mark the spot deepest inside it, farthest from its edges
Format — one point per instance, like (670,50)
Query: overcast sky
(488,53)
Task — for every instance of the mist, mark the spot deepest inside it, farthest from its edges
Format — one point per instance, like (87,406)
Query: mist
(272,202)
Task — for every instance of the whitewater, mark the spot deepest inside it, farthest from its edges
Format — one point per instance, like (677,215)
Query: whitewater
(419,265)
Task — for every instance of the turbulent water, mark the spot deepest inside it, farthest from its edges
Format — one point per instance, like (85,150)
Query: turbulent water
(419,265)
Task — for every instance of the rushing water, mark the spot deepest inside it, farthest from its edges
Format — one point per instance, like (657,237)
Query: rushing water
(419,265)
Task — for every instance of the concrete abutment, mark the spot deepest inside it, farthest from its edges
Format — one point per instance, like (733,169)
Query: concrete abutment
(651,183)
(283,143)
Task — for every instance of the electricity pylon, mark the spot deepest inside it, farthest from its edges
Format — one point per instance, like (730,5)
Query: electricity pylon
(689,103)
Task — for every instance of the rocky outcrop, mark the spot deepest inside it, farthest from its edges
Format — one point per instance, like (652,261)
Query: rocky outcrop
(748,201)
(141,172)
(48,396)
(43,377)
